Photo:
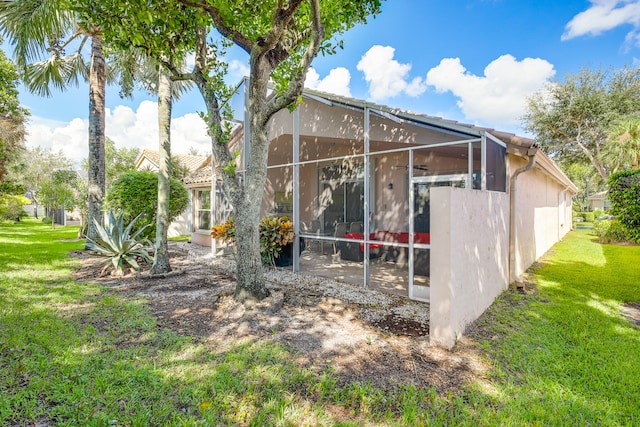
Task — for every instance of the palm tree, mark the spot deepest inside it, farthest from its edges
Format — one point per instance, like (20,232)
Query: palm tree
(623,149)
(41,33)
(152,77)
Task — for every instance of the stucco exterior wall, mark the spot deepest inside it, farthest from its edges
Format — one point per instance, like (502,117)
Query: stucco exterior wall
(469,257)
(540,217)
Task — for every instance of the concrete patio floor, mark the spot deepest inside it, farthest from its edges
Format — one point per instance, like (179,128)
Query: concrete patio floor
(385,276)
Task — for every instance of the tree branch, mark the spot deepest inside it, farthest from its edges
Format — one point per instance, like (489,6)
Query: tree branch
(238,38)
(296,85)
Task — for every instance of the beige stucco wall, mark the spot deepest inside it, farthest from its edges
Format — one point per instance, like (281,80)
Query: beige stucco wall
(539,222)
(181,225)
(469,258)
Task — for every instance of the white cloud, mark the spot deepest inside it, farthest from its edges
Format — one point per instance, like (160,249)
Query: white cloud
(604,15)
(127,128)
(337,81)
(237,70)
(387,77)
(498,97)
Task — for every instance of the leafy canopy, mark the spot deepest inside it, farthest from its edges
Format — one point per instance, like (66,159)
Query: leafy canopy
(12,115)
(571,119)
(624,194)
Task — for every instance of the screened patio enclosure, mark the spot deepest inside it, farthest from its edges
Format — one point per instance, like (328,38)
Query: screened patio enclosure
(356,178)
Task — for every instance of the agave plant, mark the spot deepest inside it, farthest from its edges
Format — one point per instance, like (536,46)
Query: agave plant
(117,243)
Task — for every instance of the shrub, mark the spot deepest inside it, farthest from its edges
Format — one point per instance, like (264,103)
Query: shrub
(624,194)
(47,220)
(136,194)
(589,216)
(275,233)
(118,245)
(11,207)
(610,231)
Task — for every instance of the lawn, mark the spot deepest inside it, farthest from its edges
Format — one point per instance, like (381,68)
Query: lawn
(75,354)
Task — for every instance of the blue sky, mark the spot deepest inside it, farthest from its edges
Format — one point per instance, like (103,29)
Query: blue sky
(474,61)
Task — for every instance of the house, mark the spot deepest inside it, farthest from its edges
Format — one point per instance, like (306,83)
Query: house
(437,210)
(150,160)
(599,201)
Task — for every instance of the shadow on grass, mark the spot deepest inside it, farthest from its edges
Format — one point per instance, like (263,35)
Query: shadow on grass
(566,355)
(71,354)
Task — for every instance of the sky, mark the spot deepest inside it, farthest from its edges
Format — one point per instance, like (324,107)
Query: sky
(474,61)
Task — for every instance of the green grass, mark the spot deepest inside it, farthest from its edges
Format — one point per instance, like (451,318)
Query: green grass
(567,356)
(183,238)
(76,354)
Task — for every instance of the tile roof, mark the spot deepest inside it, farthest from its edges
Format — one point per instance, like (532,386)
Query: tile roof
(190,162)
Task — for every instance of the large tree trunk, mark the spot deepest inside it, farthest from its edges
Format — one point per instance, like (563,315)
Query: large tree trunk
(97,84)
(161,259)
(250,283)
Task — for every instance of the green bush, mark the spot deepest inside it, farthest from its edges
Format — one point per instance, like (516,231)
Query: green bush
(136,193)
(578,216)
(589,216)
(11,207)
(624,194)
(610,231)
(47,220)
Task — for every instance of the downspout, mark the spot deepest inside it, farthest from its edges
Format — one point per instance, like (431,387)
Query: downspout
(531,155)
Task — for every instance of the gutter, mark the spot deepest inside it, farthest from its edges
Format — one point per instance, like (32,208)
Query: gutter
(531,156)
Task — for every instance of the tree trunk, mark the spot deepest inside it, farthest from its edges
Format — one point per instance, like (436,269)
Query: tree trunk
(97,84)
(161,257)
(250,283)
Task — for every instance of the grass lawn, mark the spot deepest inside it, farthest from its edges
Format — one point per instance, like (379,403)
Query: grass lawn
(567,356)
(75,354)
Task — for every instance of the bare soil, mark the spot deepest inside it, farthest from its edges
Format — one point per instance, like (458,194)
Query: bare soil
(364,335)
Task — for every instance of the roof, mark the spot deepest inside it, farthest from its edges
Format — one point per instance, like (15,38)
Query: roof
(188,161)
(202,175)
(601,195)
(516,145)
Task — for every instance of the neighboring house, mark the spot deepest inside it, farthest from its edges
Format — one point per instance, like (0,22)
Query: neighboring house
(434,209)
(599,201)
(149,160)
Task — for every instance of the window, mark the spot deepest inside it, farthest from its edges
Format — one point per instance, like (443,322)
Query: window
(203,209)
(342,194)
(496,167)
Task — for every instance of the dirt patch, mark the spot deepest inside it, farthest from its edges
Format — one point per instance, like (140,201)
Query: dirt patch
(364,335)
(631,312)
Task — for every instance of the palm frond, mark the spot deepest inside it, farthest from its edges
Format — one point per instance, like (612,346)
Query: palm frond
(54,73)
(35,27)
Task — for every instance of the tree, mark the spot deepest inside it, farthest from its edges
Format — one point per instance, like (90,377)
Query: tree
(623,149)
(137,193)
(59,192)
(624,194)
(12,115)
(586,179)
(281,39)
(117,161)
(571,120)
(34,167)
(41,33)
(161,262)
